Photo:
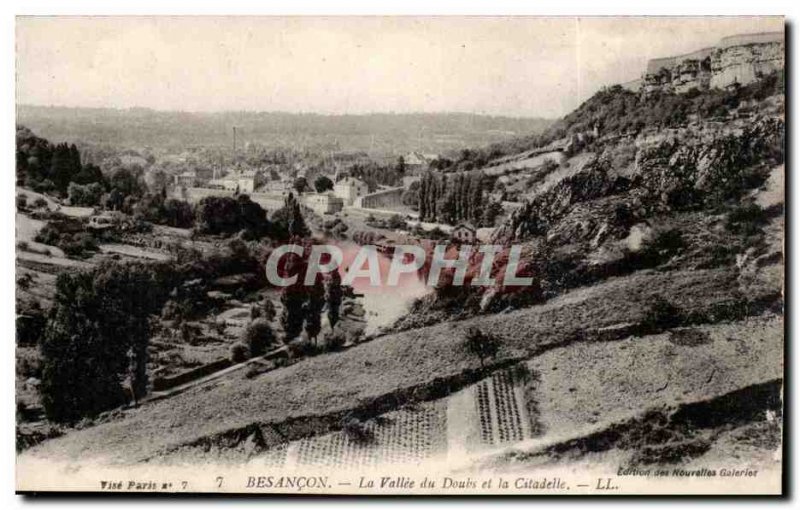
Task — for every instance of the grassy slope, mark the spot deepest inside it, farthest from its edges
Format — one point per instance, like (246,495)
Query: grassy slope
(339,381)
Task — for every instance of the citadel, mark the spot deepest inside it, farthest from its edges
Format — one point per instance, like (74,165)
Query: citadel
(735,61)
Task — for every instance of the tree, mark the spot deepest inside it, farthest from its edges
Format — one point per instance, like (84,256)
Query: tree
(85,195)
(315,302)
(491,213)
(113,200)
(97,334)
(333,296)
(300,184)
(62,167)
(177,213)
(483,345)
(88,174)
(258,336)
(239,353)
(228,215)
(268,310)
(126,182)
(323,183)
(296,224)
(80,370)
(292,299)
(400,167)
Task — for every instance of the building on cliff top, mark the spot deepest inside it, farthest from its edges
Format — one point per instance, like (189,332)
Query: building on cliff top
(735,60)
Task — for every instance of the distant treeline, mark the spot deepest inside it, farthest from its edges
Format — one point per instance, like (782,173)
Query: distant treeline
(380,132)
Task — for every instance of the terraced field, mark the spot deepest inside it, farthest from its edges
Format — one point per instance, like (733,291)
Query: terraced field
(492,410)
(408,436)
(570,392)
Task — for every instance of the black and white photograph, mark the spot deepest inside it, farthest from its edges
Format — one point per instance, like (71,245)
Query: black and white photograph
(400,255)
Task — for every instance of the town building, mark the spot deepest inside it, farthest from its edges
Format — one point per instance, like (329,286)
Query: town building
(196,177)
(282,185)
(416,162)
(242,181)
(463,233)
(349,189)
(323,203)
(187,179)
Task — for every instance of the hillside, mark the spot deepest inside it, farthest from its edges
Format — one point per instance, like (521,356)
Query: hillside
(384,373)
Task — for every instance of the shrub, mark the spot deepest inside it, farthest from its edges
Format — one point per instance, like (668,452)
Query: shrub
(228,215)
(356,431)
(335,340)
(85,195)
(689,337)
(395,222)
(239,353)
(259,337)
(746,219)
(660,314)
(323,183)
(483,345)
(78,245)
(30,327)
(68,235)
(300,347)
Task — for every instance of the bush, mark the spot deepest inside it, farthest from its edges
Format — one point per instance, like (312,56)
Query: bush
(483,345)
(229,215)
(396,222)
(78,245)
(259,337)
(356,431)
(85,195)
(660,314)
(30,327)
(335,340)
(239,353)
(300,347)
(746,219)
(68,235)
(689,337)
(323,183)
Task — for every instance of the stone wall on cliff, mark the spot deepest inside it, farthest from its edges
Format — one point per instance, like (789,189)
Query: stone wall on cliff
(739,59)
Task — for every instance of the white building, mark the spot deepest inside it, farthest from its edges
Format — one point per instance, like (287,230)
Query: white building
(282,185)
(416,162)
(243,182)
(463,233)
(323,203)
(349,189)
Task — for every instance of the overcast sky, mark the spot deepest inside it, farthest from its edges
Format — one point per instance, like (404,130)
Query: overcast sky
(542,67)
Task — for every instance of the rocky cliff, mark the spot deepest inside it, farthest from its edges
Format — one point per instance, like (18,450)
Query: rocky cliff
(739,59)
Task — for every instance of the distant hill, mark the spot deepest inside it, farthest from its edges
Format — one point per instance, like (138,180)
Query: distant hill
(381,133)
